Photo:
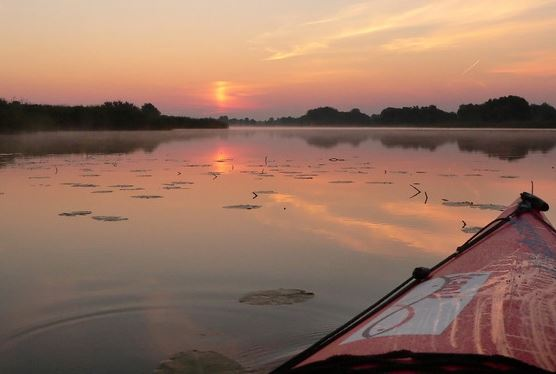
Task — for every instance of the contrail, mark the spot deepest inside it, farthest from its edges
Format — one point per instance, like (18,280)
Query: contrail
(471,67)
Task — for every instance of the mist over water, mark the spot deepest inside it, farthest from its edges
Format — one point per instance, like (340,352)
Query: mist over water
(148,262)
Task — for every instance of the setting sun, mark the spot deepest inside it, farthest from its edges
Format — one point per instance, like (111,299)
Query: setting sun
(221,93)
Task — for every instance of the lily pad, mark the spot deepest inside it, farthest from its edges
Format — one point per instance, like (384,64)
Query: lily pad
(242,206)
(473,205)
(471,229)
(109,218)
(199,362)
(489,207)
(75,213)
(280,296)
(84,185)
(174,188)
(457,203)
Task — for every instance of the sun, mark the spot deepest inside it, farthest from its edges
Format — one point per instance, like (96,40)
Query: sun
(221,93)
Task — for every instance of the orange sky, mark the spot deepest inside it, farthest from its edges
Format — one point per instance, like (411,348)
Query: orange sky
(262,58)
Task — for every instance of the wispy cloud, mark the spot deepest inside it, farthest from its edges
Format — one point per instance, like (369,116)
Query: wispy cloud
(420,28)
(535,64)
(298,50)
(470,67)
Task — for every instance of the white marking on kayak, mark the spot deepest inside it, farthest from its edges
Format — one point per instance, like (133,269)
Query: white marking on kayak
(426,310)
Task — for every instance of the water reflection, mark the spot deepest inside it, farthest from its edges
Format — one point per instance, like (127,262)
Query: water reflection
(503,144)
(213,215)
(509,144)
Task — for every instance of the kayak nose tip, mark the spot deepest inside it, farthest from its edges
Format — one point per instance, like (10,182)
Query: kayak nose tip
(530,201)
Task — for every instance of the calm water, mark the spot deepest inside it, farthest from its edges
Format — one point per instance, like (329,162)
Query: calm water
(85,296)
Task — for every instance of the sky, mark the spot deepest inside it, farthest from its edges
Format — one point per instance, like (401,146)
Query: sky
(263,58)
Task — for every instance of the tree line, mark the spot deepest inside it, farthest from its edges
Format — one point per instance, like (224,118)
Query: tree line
(507,111)
(16,116)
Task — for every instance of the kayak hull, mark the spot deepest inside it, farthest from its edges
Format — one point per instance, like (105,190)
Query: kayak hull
(496,297)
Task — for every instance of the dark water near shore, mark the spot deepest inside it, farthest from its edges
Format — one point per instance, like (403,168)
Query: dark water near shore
(340,215)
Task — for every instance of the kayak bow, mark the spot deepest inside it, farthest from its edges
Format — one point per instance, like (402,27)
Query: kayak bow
(490,306)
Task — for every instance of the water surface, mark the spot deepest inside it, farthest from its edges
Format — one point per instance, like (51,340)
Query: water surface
(343,213)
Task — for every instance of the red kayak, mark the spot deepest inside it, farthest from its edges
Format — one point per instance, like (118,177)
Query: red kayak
(489,307)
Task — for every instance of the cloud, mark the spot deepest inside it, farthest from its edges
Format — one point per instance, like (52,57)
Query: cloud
(471,67)
(540,63)
(412,29)
(296,51)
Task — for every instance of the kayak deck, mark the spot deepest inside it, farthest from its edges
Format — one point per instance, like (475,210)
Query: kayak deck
(495,296)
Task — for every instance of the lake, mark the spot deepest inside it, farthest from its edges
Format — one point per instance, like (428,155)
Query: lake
(164,247)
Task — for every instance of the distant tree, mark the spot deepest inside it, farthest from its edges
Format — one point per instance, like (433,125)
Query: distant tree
(502,109)
(425,115)
(150,110)
(543,112)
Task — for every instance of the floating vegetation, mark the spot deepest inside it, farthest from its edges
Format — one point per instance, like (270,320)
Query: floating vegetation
(509,176)
(121,186)
(109,218)
(140,170)
(489,207)
(132,189)
(198,362)
(75,213)
(456,203)
(341,182)
(146,197)
(83,185)
(144,175)
(182,182)
(242,206)
(447,175)
(473,205)
(172,187)
(198,165)
(102,191)
(280,296)
(379,182)
(398,171)
(269,192)
(421,172)
(90,175)
(334,159)
(302,177)
(473,175)
(489,170)
(39,177)
(471,229)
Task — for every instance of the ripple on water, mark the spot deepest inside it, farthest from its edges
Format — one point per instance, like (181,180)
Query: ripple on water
(44,326)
